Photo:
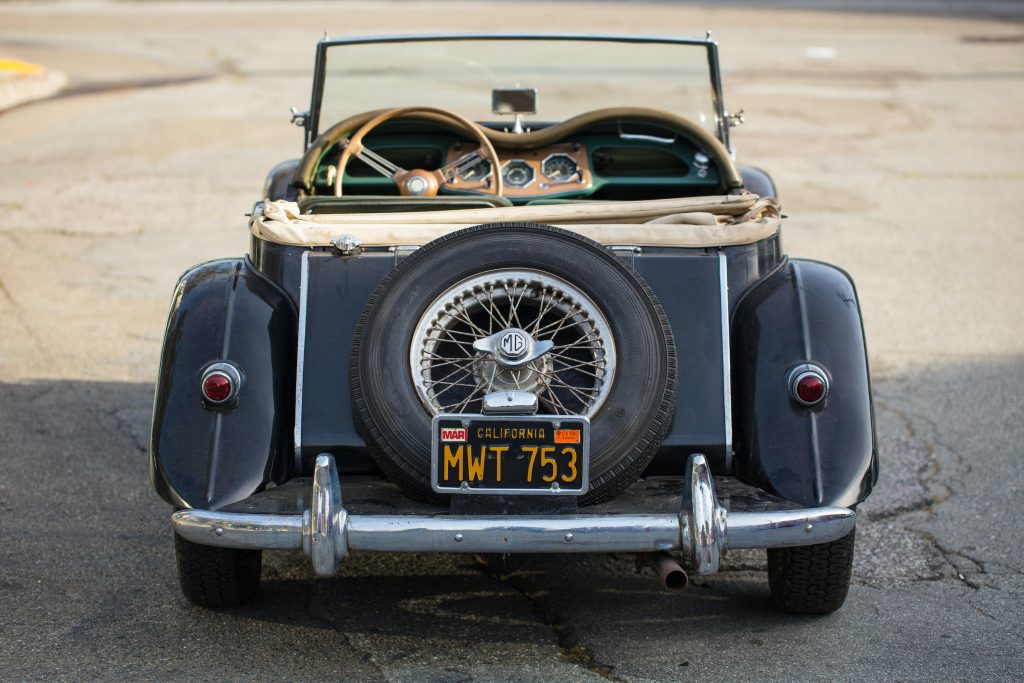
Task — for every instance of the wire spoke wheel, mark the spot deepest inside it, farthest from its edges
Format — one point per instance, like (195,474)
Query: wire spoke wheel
(451,375)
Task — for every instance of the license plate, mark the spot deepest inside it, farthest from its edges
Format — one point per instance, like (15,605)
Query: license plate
(513,454)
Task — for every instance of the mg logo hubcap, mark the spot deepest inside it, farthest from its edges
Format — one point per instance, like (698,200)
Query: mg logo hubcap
(514,344)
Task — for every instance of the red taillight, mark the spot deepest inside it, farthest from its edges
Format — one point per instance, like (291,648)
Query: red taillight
(217,387)
(810,389)
(809,385)
(220,383)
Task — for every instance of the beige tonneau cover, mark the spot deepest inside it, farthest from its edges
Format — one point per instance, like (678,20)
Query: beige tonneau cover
(719,220)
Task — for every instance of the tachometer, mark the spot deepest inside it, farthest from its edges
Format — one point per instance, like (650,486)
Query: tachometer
(559,168)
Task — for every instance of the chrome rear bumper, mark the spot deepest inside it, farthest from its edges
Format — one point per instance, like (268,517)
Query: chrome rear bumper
(702,529)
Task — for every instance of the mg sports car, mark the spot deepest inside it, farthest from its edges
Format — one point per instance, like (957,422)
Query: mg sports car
(515,296)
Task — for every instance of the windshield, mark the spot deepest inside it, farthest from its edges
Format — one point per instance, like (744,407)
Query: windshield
(571,76)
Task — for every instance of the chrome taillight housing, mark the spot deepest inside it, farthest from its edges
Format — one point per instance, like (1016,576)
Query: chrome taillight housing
(220,383)
(808,384)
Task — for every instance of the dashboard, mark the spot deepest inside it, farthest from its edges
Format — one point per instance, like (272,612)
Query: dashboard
(599,162)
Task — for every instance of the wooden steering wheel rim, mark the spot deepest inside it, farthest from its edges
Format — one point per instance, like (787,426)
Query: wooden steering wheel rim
(355,145)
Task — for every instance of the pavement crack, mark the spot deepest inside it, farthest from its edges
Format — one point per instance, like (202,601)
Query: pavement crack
(912,420)
(933,479)
(949,555)
(1011,630)
(571,649)
(901,415)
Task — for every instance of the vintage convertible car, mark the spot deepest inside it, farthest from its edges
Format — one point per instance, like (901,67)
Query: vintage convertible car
(516,297)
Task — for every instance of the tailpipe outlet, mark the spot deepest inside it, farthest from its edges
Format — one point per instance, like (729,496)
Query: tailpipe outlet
(671,574)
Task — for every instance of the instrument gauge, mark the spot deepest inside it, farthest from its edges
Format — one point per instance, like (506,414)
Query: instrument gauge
(476,172)
(560,168)
(517,173)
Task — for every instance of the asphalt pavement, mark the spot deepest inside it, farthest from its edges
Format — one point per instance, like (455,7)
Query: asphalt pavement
(896,141)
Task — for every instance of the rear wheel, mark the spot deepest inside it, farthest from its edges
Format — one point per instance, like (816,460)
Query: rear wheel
(217,577)
(812,579)
(421,348)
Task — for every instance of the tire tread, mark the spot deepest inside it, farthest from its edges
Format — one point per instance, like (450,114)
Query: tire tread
(812,579)
(216,577)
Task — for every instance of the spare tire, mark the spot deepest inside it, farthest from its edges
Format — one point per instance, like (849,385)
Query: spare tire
(613,358)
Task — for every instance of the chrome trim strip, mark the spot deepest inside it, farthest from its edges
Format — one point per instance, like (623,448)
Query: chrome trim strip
(300,358)
(702,529)
(723,287)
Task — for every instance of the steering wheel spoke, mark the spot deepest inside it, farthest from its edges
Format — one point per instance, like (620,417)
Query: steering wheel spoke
(377,162)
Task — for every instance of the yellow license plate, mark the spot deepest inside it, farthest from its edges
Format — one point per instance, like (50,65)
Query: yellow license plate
(535,454)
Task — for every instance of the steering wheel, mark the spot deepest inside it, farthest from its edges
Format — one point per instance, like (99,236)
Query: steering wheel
(418,182)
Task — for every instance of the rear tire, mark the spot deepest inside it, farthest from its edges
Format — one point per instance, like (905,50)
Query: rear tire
(217,577)
(812,579)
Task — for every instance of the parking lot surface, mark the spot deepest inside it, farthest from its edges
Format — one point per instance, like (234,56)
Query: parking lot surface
(896,142)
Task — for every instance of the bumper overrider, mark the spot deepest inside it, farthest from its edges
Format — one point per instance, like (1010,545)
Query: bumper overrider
(702,529)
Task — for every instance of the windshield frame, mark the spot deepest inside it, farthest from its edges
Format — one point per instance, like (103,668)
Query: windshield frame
(312,119)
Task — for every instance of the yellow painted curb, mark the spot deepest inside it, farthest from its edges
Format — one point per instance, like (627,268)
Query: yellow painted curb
(20,68)
(23,82)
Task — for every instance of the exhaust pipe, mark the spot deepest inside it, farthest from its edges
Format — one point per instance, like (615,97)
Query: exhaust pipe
(672,576)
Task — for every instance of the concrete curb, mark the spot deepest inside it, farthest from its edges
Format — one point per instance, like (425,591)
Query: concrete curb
(18,88)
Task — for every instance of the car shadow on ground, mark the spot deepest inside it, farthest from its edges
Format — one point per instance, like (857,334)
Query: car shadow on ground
(495,599)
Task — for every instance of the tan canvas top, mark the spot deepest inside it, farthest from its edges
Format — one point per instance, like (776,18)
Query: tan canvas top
(683,222)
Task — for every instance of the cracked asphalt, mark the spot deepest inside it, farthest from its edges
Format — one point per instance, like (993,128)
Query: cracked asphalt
(896,141)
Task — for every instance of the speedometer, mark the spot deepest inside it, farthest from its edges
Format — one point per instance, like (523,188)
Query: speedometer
(559,168)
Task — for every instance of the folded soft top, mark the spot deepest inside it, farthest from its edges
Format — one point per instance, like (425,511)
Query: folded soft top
(719,220)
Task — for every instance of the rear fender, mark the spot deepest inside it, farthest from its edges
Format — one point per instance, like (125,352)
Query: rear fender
(207,456)
(803,312)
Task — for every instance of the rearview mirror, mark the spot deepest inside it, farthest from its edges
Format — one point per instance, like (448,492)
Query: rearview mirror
(514,100)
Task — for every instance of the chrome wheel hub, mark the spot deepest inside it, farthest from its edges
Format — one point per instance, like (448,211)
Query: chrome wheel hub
(492,373)
(513,344)
(520,330)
